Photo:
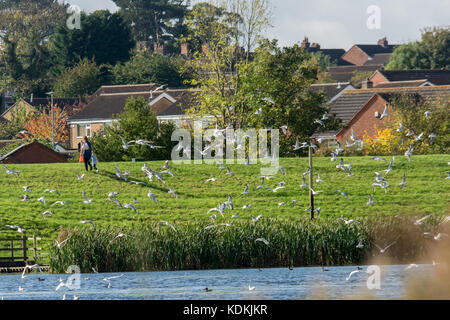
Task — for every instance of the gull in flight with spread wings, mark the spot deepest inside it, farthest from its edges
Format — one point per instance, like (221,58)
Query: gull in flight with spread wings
(263,241)
(9,171)
(86,199)
(383,250)
(90,222)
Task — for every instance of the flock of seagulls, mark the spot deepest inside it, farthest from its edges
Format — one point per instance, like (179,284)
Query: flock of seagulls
(380,181)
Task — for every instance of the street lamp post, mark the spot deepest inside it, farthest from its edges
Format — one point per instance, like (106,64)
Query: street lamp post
(53,119)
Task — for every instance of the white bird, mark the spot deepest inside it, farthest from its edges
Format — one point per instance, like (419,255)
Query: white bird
(281,204)
(385,113)
(281,168)
(383,250)
(427,114)
(124,143)
(403,183)
(120,175)
(432,136)
(280,186)
(343,194)
(351,274)
(52,191)
(173,192)
(251,288)
(115,201)
(150,194)
(314,192)
(436,237)
(284,129)
(319,179)
(25,198)
(80,177)
(245,190)
(26,188)
(420,137)
(268,99)
(263,241)
(348,221)
(360,245)
(370,202)
(30,267)
(379,159)
(256,219)
(90,222)
(86,199)
(62,203)
(59,244)
(169,225)
(412,265)
(304,185)
(400,128)
(420,221)
(42,199)
(9,171)
(167,172)
(352,136)
(130,206)
(229,172)
(261,186)
(47,213)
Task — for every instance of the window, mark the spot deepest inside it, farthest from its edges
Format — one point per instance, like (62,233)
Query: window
(83,130)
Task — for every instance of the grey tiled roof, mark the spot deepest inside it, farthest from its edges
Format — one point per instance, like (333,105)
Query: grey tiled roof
(437,77)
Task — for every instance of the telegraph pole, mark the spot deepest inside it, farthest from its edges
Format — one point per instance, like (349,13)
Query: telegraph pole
(53,120)
(311,196)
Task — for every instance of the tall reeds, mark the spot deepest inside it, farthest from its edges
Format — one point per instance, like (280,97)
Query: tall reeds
(325,242)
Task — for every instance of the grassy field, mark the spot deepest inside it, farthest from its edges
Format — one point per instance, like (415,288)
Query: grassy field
(426,192)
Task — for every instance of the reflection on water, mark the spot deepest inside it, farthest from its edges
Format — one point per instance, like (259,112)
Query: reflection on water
(272,284)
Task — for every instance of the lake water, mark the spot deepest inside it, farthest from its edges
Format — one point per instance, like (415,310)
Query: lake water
(269,284)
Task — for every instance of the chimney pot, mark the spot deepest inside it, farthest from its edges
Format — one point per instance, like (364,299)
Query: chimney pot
(367,84)
(383,42)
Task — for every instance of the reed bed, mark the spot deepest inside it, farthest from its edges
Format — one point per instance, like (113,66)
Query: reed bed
(326,242)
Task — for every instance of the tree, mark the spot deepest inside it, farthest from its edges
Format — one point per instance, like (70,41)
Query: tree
(136,122)
(103,36)
(431,52)
(358,77)
(154,20)
(147,67)
(25,27)
(81,80)
(40,124)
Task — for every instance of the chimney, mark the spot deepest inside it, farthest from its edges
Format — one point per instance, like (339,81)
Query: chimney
(366,84)
(305,43)
(315,45)
(185,49)
(31,99)
(383,42)
(160,49)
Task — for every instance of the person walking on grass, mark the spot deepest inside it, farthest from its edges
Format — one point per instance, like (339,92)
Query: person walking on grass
(94,161)
(86,149)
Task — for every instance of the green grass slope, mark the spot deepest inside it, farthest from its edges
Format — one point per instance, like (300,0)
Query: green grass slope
(426,192)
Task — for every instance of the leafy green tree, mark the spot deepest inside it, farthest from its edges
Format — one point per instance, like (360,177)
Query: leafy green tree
(81,80)
(431,52)
(25,27)
(147,67)
(358,77)
(103,36)
(154,20)
(136,122)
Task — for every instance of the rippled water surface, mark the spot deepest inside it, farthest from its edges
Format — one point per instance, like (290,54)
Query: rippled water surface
(278,284)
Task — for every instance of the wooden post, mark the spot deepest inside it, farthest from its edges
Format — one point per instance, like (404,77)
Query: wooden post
(34,249)
(24,248)
(311,178)
(12,249)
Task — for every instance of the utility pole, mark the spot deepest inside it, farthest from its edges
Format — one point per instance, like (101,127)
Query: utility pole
(311,196)
(53,120)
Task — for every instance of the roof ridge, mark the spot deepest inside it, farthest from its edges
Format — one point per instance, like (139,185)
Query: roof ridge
(376,90)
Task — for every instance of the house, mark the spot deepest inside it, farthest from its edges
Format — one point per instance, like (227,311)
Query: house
(32,152)
(332,91)
(358,109)
(6,100)
(29,105)
(168,105)
(334,54)
(370,54)
(346,73)
(391,78)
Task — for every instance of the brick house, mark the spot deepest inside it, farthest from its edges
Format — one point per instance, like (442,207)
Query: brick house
(27,106)
(385,78)
(369,54)
(332,91)
(346,73)
(33,152)
(358,109)
(168,105)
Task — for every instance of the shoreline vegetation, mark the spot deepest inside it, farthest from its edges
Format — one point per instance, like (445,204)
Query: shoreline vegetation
(290,243)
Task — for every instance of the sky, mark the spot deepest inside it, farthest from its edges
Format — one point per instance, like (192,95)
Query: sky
(340,23)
